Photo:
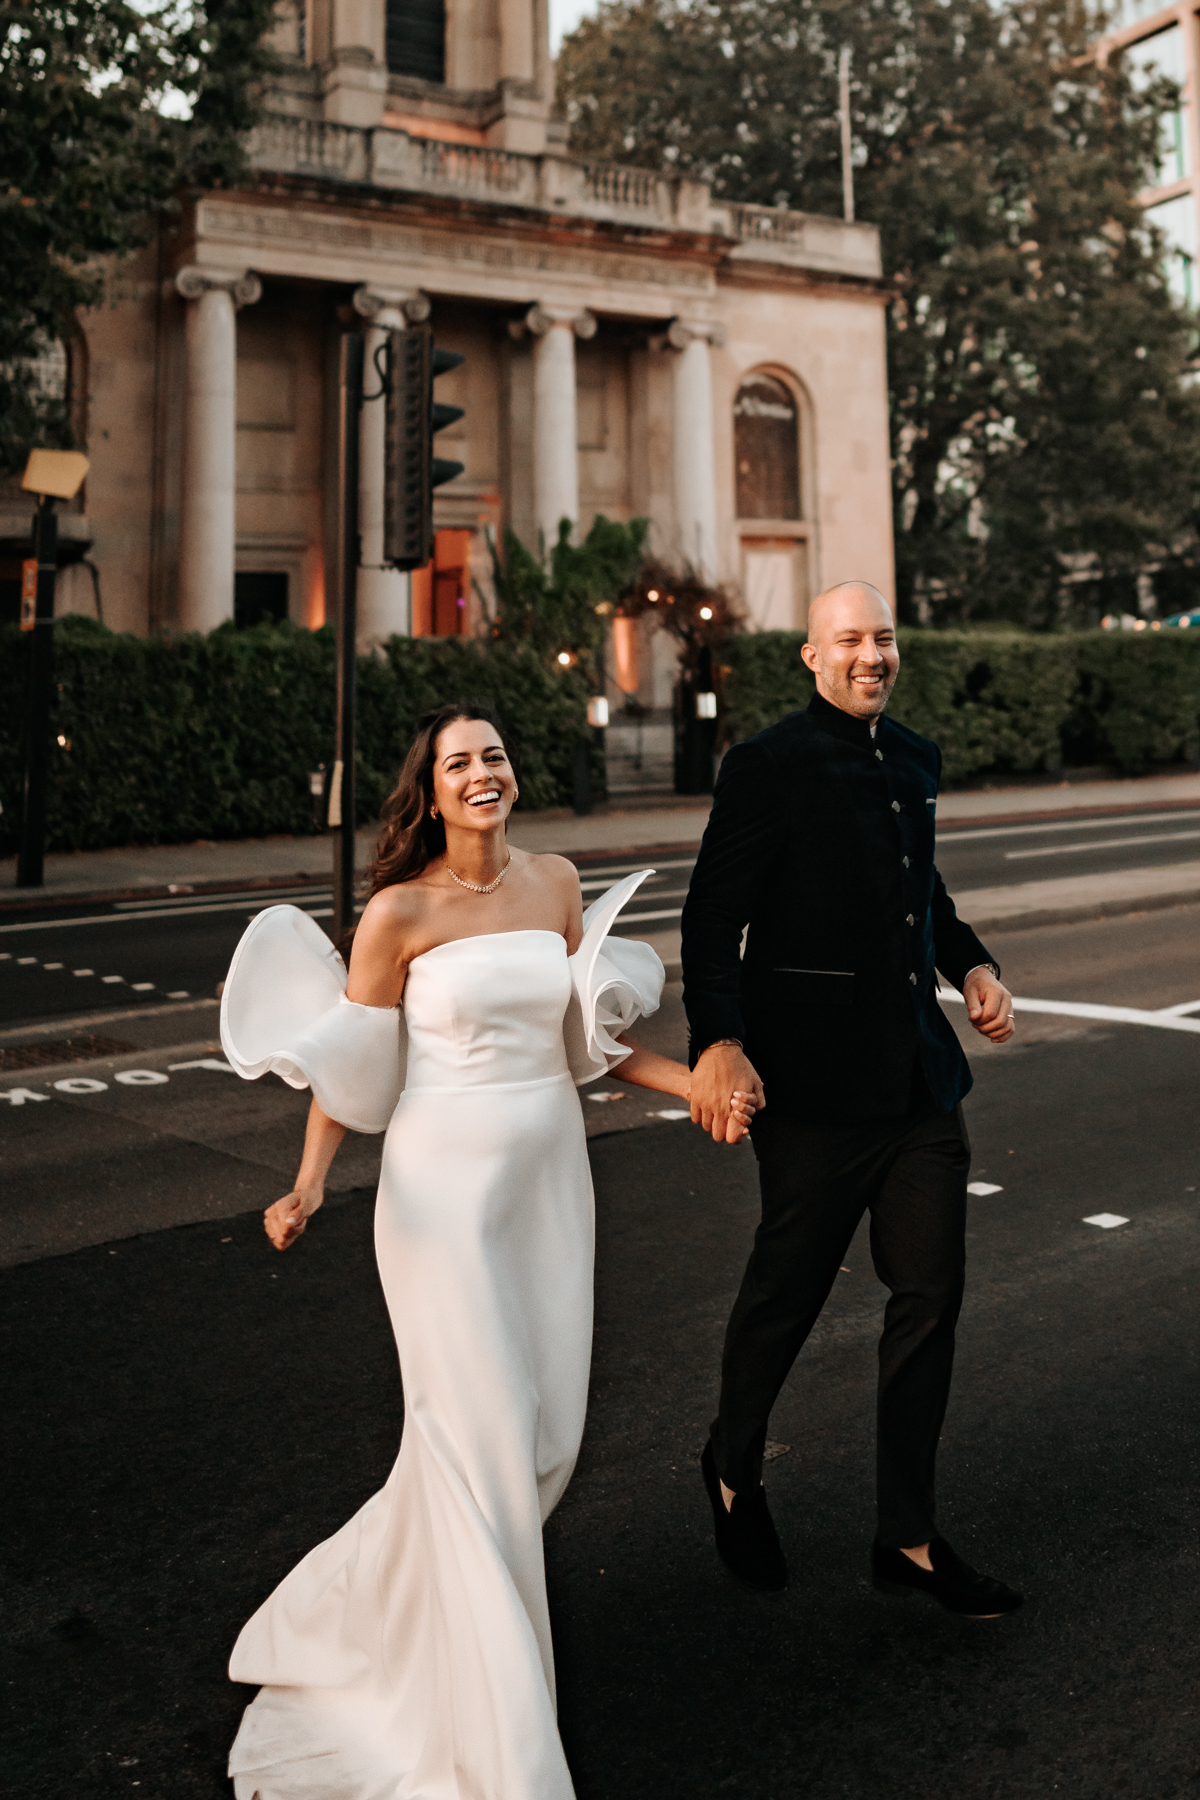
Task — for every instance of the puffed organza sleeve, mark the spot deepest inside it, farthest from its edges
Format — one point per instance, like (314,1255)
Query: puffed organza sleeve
(284,1008)
(614,981)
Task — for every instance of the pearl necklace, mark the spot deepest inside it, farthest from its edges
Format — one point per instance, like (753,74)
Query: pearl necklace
(474,885)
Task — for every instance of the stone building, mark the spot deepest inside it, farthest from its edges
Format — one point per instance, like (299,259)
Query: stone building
(632,346)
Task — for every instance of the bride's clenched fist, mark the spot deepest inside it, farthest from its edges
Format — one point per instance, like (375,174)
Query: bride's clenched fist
(285,1221)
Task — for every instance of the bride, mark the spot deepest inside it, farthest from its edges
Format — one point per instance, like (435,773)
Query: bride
(409,1656)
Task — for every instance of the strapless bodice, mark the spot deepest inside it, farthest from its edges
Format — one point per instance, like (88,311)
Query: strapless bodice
(485,1011)
(494,1011)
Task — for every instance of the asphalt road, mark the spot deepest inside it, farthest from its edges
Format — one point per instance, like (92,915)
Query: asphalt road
(60,961)
(188,1412)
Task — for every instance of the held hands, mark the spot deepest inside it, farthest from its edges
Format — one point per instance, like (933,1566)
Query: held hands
(989,1006)
(286,1220)
(725,1093)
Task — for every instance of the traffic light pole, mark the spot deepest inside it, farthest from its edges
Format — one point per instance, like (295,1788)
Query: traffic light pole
(31,855)
(342,796)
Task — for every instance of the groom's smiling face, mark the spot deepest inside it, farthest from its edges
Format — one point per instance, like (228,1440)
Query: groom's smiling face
(851,648)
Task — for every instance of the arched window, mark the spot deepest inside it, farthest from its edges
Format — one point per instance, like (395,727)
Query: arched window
(416,38)
(766,445)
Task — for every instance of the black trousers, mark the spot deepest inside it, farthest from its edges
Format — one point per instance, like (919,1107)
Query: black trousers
(817,1181)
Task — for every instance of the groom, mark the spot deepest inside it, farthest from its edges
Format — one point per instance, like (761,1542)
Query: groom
(821,841)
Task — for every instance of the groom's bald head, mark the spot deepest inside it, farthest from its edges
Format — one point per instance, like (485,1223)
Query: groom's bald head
(845,600)
(851,648)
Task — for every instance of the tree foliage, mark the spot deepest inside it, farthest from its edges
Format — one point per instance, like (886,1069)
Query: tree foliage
(1044,429)
(560,605)
(106,111)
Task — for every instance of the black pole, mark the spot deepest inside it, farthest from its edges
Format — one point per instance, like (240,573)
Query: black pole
(30,860)
(583,776)
(350,388)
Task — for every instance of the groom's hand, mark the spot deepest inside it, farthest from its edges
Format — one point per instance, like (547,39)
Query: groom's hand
(722,1071)
(989,1006)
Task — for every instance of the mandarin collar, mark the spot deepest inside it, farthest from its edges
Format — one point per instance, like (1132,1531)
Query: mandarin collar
(844,725)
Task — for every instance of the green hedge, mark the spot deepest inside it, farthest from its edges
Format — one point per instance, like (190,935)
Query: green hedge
(173,739)
(1007,702)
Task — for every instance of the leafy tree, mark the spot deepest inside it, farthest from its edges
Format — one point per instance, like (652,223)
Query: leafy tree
(1044,429)
(106,112)
(561,606)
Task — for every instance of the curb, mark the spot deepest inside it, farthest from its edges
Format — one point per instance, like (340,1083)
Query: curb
(1071,915)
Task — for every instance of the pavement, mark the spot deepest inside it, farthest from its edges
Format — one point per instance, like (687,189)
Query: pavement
(173,868)
(187,1413)
(649,824)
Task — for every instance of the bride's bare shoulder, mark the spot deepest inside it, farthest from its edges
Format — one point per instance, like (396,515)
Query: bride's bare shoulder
(557,870)
(392,913)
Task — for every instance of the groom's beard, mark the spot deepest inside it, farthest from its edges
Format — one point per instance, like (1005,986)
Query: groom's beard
(865,701)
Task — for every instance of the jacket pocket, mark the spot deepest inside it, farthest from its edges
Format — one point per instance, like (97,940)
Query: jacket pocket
(815,987)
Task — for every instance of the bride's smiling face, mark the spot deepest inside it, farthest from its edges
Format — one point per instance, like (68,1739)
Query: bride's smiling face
(473,782)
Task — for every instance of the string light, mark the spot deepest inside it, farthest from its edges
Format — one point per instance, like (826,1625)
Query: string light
(706,612)
(652,596)
(564,659)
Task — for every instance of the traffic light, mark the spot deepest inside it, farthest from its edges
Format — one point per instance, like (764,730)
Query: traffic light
(411,470)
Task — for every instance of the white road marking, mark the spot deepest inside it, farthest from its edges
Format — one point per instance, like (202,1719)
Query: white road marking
(151,912)
(83,971)
(670,1114)
(109,979)
(1154,837)
(182,994)
(26,959)
(52,965)
(18,1096)
(600,1098)
(1092,824)
(1188,1006)
(983,1187)
(594,877)
(1106,1221)
(270,897)
(143,987)
(211,1062)
(79,1084)
(1082,1009)
(140,1077)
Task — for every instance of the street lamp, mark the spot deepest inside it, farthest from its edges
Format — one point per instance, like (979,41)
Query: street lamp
(52,475)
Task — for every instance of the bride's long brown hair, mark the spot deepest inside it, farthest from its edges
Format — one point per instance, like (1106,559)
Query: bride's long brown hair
(410,836)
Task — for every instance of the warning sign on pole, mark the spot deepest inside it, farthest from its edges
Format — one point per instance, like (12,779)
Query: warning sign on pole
(29,571)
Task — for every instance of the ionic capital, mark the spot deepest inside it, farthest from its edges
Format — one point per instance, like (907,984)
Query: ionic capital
(410,304)
(192,281)
(541,319)
(682,332)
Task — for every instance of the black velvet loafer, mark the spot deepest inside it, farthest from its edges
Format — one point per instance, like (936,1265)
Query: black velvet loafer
(746,1538)
(954,1585)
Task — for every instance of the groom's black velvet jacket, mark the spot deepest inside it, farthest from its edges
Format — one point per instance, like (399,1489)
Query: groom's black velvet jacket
(821,840)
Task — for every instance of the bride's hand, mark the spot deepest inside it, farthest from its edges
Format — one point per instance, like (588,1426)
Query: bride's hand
(285,1221)
(741,1112)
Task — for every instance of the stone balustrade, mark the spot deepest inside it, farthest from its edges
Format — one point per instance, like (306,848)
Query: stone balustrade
(286,144)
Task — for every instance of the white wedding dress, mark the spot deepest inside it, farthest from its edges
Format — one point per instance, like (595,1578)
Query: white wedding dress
(409,1656)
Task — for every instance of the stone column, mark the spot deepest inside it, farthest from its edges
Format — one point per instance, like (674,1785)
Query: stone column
(208,523)
(384,594)
(555,435)
(695,470)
